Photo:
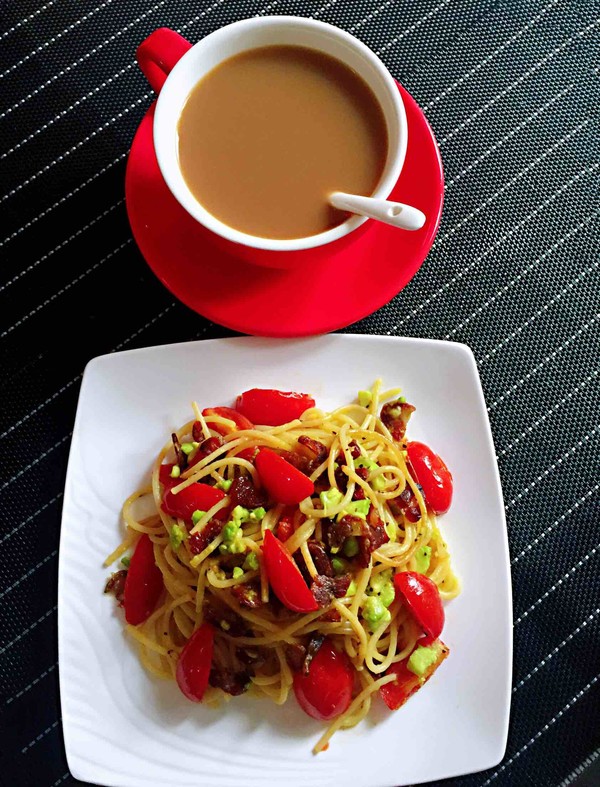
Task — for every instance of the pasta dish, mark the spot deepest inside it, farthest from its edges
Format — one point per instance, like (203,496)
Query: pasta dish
(280,549)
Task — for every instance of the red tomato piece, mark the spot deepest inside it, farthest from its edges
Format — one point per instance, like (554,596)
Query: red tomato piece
(433,476)
(285,527)
(396,693)
(195,497)
(423,599)
(326,691)
(193,665)
(285,578)
(282,480)
(144,583)
(240,421)
(273,408)
(164,476)
(249,454)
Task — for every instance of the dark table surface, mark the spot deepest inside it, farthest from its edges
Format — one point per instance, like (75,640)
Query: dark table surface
(511,91)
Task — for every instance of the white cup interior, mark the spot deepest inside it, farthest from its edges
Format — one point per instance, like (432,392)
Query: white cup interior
(265,31)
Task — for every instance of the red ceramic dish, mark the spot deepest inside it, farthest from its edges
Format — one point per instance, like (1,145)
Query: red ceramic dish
(314,298)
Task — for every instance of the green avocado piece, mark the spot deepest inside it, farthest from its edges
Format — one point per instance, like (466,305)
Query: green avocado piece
(423,559)
(251,561)
(375,613)
(365,398)
(331,498)
(176,537)
(197,516)
(421,659)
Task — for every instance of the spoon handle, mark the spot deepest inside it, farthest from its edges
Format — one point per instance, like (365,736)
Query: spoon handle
(395,213)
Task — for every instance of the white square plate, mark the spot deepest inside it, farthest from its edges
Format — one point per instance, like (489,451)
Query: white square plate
(124,728)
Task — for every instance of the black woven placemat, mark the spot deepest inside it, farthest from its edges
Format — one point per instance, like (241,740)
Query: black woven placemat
(511,90)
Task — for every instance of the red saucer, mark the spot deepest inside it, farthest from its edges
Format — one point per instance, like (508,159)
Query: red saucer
(270,302)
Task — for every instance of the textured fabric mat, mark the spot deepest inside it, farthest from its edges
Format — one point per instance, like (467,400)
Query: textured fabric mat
(511,91)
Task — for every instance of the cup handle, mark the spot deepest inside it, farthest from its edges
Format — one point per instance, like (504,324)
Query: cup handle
(157,55)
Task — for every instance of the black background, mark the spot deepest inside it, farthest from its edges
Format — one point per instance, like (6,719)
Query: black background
(511,91)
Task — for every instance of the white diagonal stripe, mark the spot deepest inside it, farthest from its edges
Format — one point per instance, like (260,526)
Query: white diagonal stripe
(27,630)
(38,459)
(78,377)
(55,38)
(39,737)
(31,517)
(541,311)
(509,183)
(81,59)
(555,650)
(413,27)
(539,734)
(560,582)
(268,8)
(546,415)
(65,288)
(423,304)
(551,356)
(39,407)
(489,57)
(515,130)
(66,111)
(323,8)
(60,245)
(375,13)
(144,327)
(519,278)
(76,146)
(33,683)
(29,573)
(552,467)
(67,196)
(556,523)
(580,769)
(28,18)
(525,75)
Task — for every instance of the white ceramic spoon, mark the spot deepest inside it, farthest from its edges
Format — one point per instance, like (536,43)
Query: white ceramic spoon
(394,213)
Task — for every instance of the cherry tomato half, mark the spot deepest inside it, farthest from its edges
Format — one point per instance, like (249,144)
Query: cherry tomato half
(165,477)
(326,691)
(272,408)
(433,475)
(144,583)
(423,599)
(240,421)
(396,693)
(195,497)
(283,481)
(285,578)
(193,665)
